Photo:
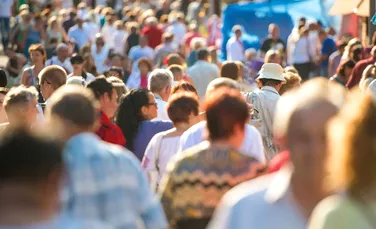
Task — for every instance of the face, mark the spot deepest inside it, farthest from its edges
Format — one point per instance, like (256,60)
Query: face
(238,33)
(144,69)
(275,32)
(111,104)
(77,66)
(348,71)
(307,140)
(31,112)
(149,111)
(63,53)
(36,57)
(116,61)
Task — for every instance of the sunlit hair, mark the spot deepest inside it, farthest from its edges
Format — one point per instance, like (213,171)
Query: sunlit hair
(19,96)
(181,105)
(352,147)
(183,86)
(39,48)
(292,80)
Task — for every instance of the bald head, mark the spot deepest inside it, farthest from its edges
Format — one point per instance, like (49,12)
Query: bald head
(221,82)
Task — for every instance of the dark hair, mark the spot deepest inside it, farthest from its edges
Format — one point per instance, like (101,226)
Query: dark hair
(3,90)
(181,105)
(3,78)
(174,59)
(269,82)
(117,55)
(185,86)
(230,70)
(147,62)
(225,108)
(176,69)
(54,75)
(76,58)
(100,86)
(27,158)
(346,63)
(129,116)
(118,70)
(202,54)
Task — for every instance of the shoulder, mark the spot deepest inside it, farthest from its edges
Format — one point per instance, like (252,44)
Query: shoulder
(197,128)
(157,125)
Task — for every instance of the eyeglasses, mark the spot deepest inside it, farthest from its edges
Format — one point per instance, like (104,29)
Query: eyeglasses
(76,62)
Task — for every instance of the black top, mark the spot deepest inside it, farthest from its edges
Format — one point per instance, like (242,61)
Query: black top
(132,40)
(269,44)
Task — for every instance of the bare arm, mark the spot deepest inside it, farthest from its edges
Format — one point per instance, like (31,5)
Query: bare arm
(25,77)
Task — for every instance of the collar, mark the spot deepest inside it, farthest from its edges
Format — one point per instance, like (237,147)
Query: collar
(104,118)
(156,96)
(271,89)
(280,185)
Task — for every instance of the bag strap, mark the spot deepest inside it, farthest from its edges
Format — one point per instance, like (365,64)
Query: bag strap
(158,146)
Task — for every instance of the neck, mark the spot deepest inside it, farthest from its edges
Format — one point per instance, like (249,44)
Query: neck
(181,127)
(306,192)
(22,205)
(77,72)
(225,142)
(38,66)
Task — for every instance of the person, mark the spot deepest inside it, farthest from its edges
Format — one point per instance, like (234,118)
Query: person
(133,116)
(50,79)
(55,30)
(193,32)
(178,29)
(20,105)
(252,145)
(177,72)
(359,68)
(197,43)
(37,167)
(292,38)
(303,55)
(202,72)
(293,80)
(91,26)
(38,59)
(164,10)
(69,22)
(286,199)
(183,111)
(140,79)
(273,56)
(76,80)
(119,36)
(265,100)
(34,34)
(183,86)
(253,64)
(79,33)
(89,64)
(235,47)
(140,51)
(152,32)
(273,42)
(62,58)
(119,87)
(107,96)
(108,32)
(160,84)
(335,58)
(230,69)
(166,48)
(344,71)
(116,189)
(5,14)
(100,51)
(350,173)
(78,68)
(133,39)
(328,46)
(368,76)
(219,165)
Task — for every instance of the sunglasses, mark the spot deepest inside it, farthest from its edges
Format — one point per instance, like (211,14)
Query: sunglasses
(77,62)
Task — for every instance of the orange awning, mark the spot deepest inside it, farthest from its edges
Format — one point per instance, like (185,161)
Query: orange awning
(343,7)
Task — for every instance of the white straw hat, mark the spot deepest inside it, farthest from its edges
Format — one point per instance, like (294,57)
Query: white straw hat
(271,71)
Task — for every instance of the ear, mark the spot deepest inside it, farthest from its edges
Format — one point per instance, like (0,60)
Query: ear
(144,110)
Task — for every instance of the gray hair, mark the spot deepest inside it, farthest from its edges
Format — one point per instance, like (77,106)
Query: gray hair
(19,96)
(160,79)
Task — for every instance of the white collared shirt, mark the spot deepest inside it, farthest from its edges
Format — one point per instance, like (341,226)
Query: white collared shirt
(235,50)
(66,64)
(252,143)
(162,109)
(265,202)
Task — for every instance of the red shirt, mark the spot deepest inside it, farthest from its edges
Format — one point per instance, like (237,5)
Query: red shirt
(357,72)
(144,82)
(189,37)
(154,35)
(110,132)
(278,161)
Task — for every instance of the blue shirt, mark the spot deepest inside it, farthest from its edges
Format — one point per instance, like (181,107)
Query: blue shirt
(80,36)
(105,182)
(145,132)
(328,47)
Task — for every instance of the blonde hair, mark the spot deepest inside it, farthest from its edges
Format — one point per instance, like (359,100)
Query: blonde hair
(352,137)
(19,96)
(291,80)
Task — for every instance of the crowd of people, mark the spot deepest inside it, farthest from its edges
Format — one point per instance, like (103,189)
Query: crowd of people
(123,115)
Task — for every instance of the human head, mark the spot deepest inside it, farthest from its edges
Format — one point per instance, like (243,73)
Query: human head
(77,63)
(119,86)
(177,71)
(274,31)
(368,74)
(99,40)
(160,81)
(62,52)
(174,58)
(230,69)
(345,68)
(352,137)
(145,66)
(290,69)
(31,169)
(271,75)
(292,81)
(37,54)
(117,60)
(50,79)
(143,41)
(183,86)
(3,78)
(221,83)
(198,43)
(20,104)
(167,37)
(136,106)
(119,25)
(238,31)
(183,108)
(227,114)
(72,110)
(322,35)
(152,21)
(356,52)
(250,54)
(300,125)
(76,80)
(273,56)
(341,45)
(105,93)
(203,54)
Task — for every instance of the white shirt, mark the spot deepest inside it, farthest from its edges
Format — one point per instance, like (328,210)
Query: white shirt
(291,40)
(91,29)
(100,58)
(120,37)
(5,8)
(134,80)
(108,32)
(162,109)
(235,50)
(302,51)
(89,77)
(66,64)
(202,73)
(252,144)
(138,52)
(80,36)
(265,202)
(179,30)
